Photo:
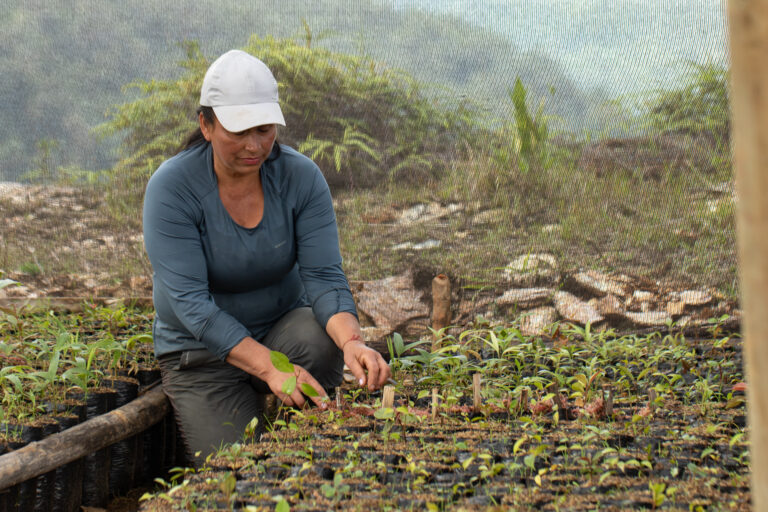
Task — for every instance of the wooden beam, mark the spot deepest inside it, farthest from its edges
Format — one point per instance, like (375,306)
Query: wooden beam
(88,437)
(748,30)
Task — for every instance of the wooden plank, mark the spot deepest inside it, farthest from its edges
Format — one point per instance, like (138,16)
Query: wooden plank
(748,32)
(88,437)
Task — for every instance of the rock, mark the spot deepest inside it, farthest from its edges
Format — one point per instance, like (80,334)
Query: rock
(599,284)
(640,296)
(427,212)
(427,244)
(648,319)
(18,291)
(376,334)
(695,298)
(551,228)
(391,302)
(531,269)
(609,305)
(487,216)
(675,308)
(575,310)
(641,300)
(687,321)
(535,321)
(526,298)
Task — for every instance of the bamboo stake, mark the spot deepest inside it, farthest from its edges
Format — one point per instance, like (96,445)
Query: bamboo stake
(338,397)
(441,303)
(477,399)
(88,437)
(652,400)
(388,397)
(748,33)
(608,401)
(434,403)
(523,404)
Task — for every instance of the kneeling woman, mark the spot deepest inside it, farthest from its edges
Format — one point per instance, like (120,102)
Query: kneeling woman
(243,242)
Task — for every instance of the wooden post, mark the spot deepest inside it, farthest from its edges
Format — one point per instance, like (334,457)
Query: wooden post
(434,403)
(441,303)
(88,437)
(748,31)
(338,397)
(652,400)
(477,399)
(523,403)
(608,401)
(388,397)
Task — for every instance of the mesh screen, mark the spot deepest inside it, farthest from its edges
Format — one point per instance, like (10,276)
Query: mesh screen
(509,145)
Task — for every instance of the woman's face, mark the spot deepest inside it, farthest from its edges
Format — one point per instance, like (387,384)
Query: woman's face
(238,153)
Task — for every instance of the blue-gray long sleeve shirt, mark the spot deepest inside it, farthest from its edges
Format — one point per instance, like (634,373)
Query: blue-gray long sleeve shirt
(216,282)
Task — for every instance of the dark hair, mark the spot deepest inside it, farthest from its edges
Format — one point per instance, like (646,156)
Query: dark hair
(196,137)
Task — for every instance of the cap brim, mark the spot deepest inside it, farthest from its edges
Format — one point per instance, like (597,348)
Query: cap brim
(237,118)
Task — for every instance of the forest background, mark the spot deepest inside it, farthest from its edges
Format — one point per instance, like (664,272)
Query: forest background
(596,132)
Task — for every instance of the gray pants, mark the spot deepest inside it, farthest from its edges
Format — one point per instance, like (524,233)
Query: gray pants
(214,401)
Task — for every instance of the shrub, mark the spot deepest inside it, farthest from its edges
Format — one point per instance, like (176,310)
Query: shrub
(361,122)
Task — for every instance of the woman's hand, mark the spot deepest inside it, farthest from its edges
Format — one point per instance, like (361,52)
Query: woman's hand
(254,358)
(276,379)
(360,359)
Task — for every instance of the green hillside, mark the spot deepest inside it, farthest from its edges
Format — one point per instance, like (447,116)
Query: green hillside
(65,62)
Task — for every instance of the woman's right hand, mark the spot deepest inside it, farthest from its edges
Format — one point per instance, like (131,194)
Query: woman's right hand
(276,379)
(254,358)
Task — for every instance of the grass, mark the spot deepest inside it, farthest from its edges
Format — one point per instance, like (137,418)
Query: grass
(664,228)
(650,208)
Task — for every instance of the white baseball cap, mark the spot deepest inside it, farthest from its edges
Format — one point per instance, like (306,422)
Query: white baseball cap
(242,92)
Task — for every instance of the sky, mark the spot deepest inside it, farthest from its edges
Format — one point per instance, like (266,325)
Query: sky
(616,45)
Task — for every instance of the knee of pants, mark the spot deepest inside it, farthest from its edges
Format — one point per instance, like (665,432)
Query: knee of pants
(327,364)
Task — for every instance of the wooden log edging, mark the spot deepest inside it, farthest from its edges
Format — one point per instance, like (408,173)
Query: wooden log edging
(90,436)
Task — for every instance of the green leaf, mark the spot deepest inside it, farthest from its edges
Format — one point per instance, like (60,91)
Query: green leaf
(282,506)
(397,340)
(281,362)
(289,385)
(308,390)
(384,414)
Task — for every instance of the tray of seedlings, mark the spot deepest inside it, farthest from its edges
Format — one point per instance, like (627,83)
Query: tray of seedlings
(490,419)
(56,372)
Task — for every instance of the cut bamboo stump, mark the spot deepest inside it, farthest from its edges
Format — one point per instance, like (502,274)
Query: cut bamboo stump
(388,397)
(88,437)
(608,401)
(522,404)
(441,303)
(477,399)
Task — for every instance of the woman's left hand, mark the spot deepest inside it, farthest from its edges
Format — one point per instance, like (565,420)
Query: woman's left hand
(367,365)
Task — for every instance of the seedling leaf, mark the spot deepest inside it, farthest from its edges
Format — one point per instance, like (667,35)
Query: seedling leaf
(308,390)
(280,361)
(289,385)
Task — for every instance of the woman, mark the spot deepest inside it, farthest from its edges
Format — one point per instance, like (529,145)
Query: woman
(242,238)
